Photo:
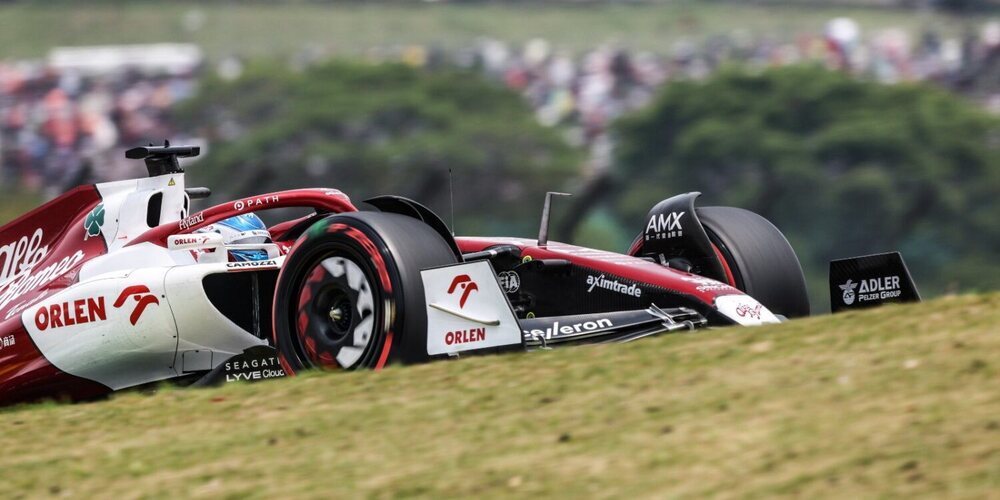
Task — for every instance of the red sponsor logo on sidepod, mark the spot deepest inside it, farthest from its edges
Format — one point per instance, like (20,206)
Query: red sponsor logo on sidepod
(77,312)
(143,298)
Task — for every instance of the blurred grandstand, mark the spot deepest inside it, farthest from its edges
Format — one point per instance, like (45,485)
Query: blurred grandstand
(65,119)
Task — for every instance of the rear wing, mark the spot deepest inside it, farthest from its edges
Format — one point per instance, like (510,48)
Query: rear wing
(869,281)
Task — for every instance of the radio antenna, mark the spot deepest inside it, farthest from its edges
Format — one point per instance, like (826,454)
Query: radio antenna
(451,201)
(543,229)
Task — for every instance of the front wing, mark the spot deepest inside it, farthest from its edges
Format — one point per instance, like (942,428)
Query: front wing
(467,311)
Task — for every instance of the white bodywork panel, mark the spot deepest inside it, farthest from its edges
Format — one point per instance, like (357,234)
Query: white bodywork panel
(466,310)
(126,205)
(139,314)
(106,347)
(200,326)
(102,344)
(134,257)
(744,310)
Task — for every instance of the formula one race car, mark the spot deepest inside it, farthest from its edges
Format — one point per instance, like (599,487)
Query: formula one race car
(118,285)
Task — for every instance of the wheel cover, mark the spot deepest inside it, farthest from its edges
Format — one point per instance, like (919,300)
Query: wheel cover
(335,318)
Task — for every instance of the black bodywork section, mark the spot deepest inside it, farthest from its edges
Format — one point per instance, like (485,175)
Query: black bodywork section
(622,326)
(673,234)
(557,287)
(245,298)
(405,206)
(252,365)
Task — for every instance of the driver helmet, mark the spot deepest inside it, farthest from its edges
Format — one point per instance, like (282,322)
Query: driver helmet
(245,229)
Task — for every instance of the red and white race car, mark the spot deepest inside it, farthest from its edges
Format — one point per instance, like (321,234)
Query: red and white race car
(119,284)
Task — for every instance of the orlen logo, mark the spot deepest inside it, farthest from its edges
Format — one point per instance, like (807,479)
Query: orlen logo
(200,240)
(143,298)
(77,312)
(745,310)
(464,282)
(465,336)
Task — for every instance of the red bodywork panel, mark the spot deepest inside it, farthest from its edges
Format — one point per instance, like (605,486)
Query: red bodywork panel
(625,266)
(328,200)
(53,242)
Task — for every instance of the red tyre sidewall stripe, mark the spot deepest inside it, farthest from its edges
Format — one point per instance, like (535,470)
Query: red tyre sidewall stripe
(302,319)
(383,274)
(725,266)
(384,357)
(285,366)
(376,256)
(636,246)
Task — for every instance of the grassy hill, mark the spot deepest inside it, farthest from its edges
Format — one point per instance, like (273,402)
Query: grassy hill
(30,29)
(892,402)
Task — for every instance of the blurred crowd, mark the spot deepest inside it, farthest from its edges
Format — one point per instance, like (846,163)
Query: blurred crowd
(60,127)
(586,93)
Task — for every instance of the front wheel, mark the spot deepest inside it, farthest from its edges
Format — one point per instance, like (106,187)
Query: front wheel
(761,261)
(350,295)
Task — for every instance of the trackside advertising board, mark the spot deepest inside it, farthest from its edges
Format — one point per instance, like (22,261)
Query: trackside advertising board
(869,281)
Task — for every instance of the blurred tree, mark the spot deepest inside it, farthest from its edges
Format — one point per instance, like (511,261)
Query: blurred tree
(842,166)
(382,129)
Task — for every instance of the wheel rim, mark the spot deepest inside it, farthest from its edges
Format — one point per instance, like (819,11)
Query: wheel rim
(335,313)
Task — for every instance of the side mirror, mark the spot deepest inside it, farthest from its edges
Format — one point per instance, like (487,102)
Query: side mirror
(162,160)
(198,193)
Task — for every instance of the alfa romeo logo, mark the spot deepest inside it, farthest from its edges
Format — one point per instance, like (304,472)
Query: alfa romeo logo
(94,222)
(848,289)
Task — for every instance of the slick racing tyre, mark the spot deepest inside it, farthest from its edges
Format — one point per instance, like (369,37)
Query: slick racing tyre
(761,261)
(350,295)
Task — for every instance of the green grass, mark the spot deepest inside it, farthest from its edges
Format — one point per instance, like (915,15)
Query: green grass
(259,29)
(16,203)
(900,401)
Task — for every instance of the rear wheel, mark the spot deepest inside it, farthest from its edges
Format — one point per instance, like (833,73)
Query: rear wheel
(350,294)
(761,261)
